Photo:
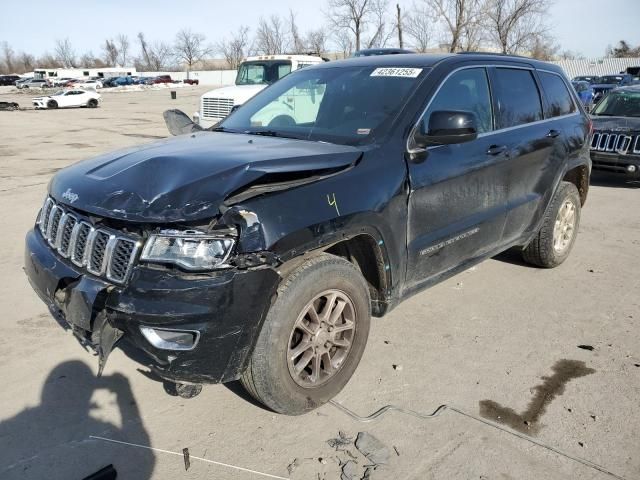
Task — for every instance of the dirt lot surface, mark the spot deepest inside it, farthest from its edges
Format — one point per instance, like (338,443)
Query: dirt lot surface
(500,340)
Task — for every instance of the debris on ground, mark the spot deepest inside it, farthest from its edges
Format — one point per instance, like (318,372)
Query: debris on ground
(397,367)
(187,461)
(340,442)
(350,471)
(586,347)
(396,450)
(372,448)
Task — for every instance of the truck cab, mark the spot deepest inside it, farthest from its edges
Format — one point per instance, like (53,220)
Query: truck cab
(254,75)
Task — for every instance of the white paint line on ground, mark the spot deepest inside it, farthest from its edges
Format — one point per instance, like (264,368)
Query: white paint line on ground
(190,456)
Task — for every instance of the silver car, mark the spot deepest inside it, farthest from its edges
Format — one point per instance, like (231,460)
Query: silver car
(32,83)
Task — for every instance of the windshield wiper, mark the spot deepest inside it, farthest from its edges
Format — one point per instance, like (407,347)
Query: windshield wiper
(222,129)
(268,133)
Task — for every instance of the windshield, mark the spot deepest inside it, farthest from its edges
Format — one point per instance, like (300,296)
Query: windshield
(339,105)
(262,72)
(619,104)
(580,86)
(58,93)
(613,79)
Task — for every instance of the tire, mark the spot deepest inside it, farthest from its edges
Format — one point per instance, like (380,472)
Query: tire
(270,377)
(553,243)
(93,103)
(52,104)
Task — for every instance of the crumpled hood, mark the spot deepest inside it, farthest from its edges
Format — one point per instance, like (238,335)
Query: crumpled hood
(621,124)
(187,178)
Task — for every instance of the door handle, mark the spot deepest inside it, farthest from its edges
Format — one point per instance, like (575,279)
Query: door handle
(553,133)
(496,149)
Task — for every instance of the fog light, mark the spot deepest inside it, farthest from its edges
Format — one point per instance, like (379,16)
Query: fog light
(631,168)
(166,339)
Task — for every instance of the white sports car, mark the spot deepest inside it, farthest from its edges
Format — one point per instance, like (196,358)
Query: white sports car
(68,98)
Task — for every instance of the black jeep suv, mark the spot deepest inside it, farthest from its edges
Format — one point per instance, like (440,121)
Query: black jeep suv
(259,250)
(615,145)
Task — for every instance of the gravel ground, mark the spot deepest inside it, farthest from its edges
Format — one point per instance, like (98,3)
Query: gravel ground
(501,339)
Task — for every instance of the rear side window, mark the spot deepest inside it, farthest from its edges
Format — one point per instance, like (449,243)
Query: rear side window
(517,98)
(559,101)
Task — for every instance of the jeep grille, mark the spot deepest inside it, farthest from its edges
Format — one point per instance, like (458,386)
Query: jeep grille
(100,251)
(620,143)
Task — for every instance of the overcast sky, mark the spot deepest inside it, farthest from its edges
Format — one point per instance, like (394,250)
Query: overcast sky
(584,26)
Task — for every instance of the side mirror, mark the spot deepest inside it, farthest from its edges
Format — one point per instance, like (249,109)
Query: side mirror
(447,127)
(179,123)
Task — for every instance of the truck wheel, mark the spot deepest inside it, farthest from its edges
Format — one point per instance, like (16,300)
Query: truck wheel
(52,104)
(313,337)
(553,243)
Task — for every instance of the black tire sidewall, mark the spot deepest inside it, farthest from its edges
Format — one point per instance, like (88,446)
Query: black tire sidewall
(567,191)
(52,104)
(270,369)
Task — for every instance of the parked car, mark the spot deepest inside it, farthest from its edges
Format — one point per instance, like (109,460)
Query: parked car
(615,146)
(609,82)
(8,80)
(32,83)
(586,78)
(109,82)
(254,75)
(191,81)
(120,81)
(272,238)
(368,52)
(88,84)
(68,98)
(9,106)
(584,91)
(162,79)
(61,82)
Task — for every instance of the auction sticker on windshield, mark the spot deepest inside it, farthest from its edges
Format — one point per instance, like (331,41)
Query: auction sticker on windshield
(396,72)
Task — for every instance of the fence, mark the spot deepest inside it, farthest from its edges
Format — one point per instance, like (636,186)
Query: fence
(597,66)
(205,77)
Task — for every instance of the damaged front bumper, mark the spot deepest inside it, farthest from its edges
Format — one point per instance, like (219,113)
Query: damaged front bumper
(226,308)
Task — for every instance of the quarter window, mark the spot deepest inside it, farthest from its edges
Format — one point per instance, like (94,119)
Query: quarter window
(466,90)
(517,98)
(559,101)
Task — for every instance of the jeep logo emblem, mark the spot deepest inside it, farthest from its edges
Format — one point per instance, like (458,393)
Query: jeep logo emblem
(69,195)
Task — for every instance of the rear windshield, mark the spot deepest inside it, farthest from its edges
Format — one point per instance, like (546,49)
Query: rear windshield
(345,105)
(611,79)
(619,104)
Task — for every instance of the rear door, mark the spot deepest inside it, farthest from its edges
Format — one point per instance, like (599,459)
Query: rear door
(458,192)
(519,115)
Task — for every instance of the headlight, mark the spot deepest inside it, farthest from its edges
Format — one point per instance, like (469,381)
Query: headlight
(191,250)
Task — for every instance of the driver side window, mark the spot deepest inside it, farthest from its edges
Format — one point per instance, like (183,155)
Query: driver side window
(466,90)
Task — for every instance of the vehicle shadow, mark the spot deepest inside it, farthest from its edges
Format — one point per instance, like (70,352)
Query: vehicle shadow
(52,439)
(514,257)
(612,181)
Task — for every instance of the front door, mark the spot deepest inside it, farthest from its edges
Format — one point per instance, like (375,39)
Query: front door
(459,193)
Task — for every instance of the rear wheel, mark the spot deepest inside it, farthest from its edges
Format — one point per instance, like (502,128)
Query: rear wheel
(554,241)
(313,337)
(93,103)
(52,104)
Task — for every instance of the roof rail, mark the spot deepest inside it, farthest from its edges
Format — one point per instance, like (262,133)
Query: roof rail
(499,54)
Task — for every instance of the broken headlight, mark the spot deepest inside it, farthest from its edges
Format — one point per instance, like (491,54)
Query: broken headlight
(190,249)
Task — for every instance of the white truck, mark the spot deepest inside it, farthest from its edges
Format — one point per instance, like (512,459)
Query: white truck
(254,74)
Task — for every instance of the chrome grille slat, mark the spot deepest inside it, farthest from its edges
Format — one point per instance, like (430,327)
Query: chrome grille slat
(101,251)
(216,107)
(620,143)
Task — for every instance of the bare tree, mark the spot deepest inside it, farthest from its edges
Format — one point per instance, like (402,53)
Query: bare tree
(271,36)
(65,54)
(382,33)
(349,16)
(144,51)
(623,49)
(190,47)
(456,16)
(297,41)
(111,53)
(419,26)
(123,49)
(160,54)
(47,60)
(316,41)
(26,62)
(399,25)
(543,48)
(8,58)
(235,49)
(516,25)
(344,42)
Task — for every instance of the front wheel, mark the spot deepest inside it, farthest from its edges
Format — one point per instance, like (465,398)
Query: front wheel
(553,243)
(313,337)
(93,103)
(52,104)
